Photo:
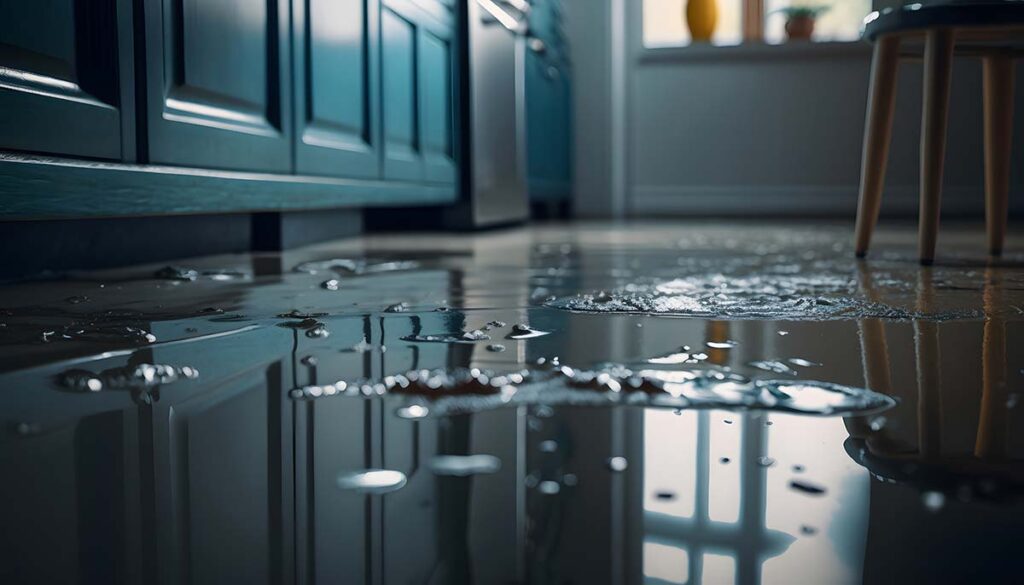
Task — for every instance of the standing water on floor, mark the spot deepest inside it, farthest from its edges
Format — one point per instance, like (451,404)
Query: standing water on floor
(653,404)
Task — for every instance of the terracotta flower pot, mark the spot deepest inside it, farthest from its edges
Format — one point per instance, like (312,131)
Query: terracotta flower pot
(800,28)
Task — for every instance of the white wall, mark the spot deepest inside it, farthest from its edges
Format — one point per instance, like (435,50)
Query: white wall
(598,151)
(745,131)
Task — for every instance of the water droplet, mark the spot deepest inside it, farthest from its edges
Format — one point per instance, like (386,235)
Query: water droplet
(318,332)
(372,481)
(496,347)
(138,376)
(807,487)
(721,344)
(331,284)
(774,366)
(877,423)
(461,337)
(933,501)
(523,331)
(412,412)
(1012,399)
(617,464)
(297,314)
(803,363)
(549,488)
(176,273)
(464,465)
(350,266)
(782,333)
(570,479)
(548,446)
(765,461)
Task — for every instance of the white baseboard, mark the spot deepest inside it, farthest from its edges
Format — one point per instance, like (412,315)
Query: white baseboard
(750,200)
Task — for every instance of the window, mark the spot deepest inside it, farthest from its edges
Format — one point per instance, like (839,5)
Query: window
(664,21)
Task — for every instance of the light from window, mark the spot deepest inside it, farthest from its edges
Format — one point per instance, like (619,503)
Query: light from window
(840,22)
(665,23)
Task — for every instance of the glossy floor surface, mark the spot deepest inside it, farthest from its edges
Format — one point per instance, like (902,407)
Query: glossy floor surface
(639,403)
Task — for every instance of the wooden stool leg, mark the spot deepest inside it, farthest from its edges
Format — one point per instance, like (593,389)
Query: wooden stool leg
(998,83)
(877,133)
(938,71)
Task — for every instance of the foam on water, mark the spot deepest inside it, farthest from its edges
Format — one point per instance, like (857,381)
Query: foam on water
(465,390)
(771,296)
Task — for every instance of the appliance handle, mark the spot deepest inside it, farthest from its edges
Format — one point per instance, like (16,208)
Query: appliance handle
(506,19)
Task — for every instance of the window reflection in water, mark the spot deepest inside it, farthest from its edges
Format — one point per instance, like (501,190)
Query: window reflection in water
(706,494)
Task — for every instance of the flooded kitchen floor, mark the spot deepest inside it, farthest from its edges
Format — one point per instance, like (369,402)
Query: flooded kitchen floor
(634,404)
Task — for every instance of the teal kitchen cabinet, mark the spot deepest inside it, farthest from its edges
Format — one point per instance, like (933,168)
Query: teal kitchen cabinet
(218,84)
(337,98)
(418,91)
(222,463)
(66,77)
(333,436)
(548,105)
(230,106)
(69,495)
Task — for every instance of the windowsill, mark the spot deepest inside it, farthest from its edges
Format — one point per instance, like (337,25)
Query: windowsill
(755,51)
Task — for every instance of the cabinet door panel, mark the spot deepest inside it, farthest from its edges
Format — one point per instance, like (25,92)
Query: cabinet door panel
(59,76)
(218,84)
(221,479)
(340,518)
(402,158)
(436,99)
(335,61)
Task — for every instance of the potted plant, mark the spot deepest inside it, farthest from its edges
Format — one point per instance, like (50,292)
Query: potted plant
(800,20)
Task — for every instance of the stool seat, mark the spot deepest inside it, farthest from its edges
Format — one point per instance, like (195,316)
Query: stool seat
(993,31)
(960,15)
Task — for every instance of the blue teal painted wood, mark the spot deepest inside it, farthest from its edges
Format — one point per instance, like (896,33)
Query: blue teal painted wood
(398,81)
(337,98)
(66,77)
(548,107)
(218,84)
(436,106)
(32,188)
(417,91)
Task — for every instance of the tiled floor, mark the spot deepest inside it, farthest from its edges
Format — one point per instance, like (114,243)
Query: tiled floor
(583,403)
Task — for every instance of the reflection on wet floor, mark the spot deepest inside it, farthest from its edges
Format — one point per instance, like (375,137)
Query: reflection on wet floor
(654,404)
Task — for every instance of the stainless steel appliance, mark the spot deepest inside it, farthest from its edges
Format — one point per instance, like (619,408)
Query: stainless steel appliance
(493,176)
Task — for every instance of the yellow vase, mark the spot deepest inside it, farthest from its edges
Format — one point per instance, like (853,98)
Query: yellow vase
(702,17)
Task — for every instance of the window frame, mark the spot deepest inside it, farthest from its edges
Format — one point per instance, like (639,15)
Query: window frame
(753,45)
